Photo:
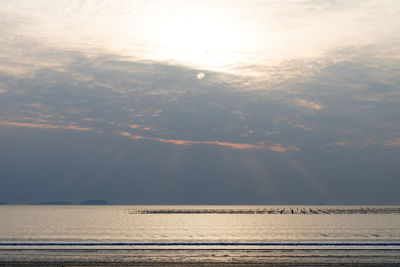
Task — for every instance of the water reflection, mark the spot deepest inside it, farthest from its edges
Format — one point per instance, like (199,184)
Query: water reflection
(114,224)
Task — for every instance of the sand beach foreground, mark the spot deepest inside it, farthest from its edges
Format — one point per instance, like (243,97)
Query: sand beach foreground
(189,264)
(202,257)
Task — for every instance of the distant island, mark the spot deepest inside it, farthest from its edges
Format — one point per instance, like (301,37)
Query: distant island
(94,202)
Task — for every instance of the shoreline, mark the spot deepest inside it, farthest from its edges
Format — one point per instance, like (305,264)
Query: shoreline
(199,257)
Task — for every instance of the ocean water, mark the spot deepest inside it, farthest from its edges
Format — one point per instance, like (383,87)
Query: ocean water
(200,233)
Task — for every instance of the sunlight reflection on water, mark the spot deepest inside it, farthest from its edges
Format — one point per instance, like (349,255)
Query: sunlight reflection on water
(115,234)
(117,224)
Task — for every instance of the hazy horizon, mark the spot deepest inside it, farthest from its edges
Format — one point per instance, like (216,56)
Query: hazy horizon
(200,102)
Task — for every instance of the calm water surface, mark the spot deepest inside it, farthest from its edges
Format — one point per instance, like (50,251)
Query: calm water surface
(244,233)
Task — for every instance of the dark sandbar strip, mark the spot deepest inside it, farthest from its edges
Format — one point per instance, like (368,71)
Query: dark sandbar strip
(291,244)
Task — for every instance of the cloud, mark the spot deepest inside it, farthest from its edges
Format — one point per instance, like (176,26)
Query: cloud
(88,119)
(191,142)
(308,104)
(370,99)
(339,143)
(281,148)
(370,141)
(44,126)
(200,75)
(36,105)
(393,142)
(302,126)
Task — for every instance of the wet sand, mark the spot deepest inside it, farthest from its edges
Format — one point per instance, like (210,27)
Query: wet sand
(194,258)
(195,264)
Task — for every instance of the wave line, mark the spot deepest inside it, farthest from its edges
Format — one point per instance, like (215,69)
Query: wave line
(396,244)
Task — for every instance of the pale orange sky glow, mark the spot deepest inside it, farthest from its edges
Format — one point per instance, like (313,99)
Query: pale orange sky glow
(189,142)
(44,126)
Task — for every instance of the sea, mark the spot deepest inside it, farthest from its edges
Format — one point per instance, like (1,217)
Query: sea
(207,234)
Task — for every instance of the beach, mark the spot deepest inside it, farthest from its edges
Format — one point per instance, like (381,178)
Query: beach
(197,264)
(200,257)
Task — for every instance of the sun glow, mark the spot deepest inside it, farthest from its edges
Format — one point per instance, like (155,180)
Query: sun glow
(202,37)
(241,37)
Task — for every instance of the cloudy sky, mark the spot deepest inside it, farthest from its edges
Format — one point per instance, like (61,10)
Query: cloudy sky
(200,102)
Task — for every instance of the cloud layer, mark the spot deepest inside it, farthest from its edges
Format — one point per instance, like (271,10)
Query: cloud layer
(82,122)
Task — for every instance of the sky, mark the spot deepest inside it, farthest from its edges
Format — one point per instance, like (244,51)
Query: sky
(200,102)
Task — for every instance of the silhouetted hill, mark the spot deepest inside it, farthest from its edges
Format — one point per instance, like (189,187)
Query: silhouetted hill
(94,202)
(55,203)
